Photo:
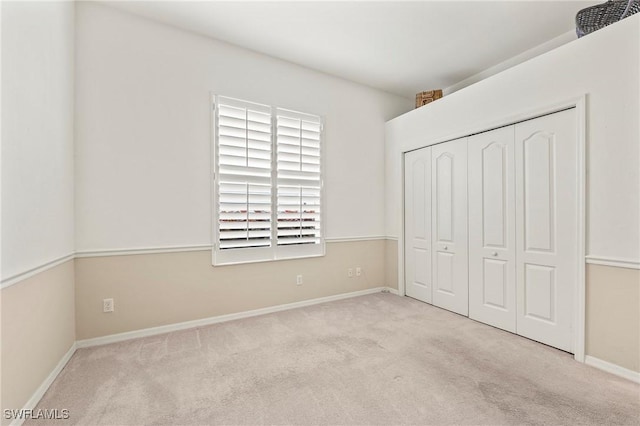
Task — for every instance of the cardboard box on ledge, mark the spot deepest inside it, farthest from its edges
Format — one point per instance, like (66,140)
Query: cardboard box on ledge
(424,98)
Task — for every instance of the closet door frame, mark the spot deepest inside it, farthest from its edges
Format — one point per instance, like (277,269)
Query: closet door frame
(579,103)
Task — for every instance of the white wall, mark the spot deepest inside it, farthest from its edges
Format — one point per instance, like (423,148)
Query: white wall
(37,134)
(143,131)
(605,66)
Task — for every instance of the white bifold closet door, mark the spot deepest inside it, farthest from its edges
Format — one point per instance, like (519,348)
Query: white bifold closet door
(449,226)
(505,252)
(417,222)
(492,228)
(547,227)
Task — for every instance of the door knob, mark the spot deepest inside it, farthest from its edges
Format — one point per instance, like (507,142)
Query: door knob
(446,248)
(495,253)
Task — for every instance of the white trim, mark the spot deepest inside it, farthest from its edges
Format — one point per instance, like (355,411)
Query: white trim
(391,290)
(352,239)
(391,238)
(14,279)
(44,386)
(213,169)
(615,369)
(420,142)
(201,247)
(248,260)
(580,301)
(402,291)
(97,341)
(141,250)
(613,261)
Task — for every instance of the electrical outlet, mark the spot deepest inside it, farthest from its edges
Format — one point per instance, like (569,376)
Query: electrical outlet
(350,272)
(107,305)
(358,271)
(299,280)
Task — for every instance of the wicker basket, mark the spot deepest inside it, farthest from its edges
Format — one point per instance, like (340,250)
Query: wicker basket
(424,98)
(599,16)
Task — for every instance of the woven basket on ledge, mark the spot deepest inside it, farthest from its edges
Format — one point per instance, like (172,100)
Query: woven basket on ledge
(599,16)
(424,98)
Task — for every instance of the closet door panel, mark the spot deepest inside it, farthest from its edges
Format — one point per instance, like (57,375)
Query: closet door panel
(445,277)
(492,248)
(418,224)
(444,188)
(546,176)
(540,292)
(538,152)
(449,207)
(496,291)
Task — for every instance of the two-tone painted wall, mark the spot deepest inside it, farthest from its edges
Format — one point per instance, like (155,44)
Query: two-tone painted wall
(38,309)
(132,176)
(143,175)
(125,160)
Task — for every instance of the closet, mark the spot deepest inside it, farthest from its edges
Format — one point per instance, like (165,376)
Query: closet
(491,227)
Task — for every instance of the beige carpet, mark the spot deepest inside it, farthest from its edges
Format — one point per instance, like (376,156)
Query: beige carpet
(377,359)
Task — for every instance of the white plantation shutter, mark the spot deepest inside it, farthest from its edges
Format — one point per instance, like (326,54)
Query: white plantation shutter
(243,181)
(299,183)
(268,186)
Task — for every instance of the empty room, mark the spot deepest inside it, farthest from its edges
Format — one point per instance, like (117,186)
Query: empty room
(320,212)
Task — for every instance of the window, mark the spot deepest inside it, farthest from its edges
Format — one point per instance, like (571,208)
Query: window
(267,183)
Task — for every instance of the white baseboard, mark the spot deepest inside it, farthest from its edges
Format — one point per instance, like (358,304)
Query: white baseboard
(39,393)
(615,369)
(97,341)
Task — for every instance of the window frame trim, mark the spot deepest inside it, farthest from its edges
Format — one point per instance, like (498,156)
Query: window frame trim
(273,252)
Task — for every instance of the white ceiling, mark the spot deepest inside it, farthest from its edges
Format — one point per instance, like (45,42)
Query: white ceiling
(400,47)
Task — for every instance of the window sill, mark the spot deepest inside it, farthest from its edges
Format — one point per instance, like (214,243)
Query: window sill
(266,254)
